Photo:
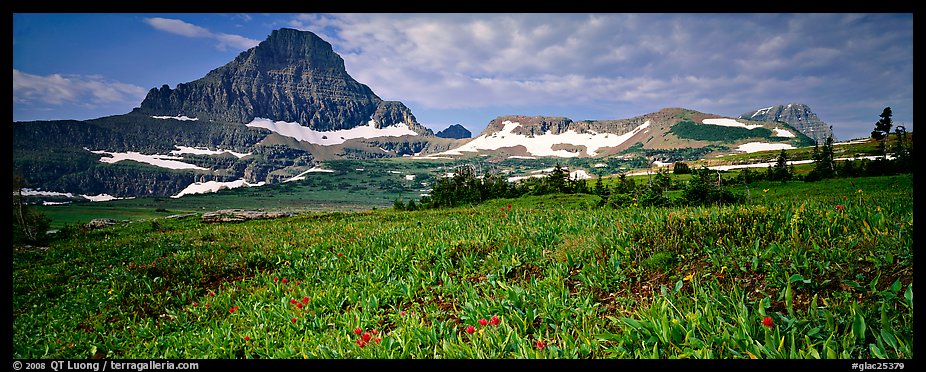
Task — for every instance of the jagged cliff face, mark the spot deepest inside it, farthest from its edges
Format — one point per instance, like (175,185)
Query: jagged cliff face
(797,115)
(293,76)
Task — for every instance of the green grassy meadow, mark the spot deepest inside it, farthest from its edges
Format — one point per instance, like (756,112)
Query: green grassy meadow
(819,270)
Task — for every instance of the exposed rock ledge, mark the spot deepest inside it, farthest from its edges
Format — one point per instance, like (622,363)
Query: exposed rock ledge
(238,215)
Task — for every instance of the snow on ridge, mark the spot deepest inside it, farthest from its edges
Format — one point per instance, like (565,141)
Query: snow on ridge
(783,133)
(763,111)
(763,146)
(183,118)
(726,122)
(410,177)
(521,157)
(205,151)
(301,176)
(542,145)
(214,186)
(334,137)
(163,161)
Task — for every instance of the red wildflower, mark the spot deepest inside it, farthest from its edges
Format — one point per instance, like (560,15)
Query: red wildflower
(844,197)
(207,305)
(293,319)
(358,331)
(495,320)
(540,344)
(339,254)
(276,278)
(212,294)
(246,338)
(292,301)
(483,322)
(361,343)
(402,312)
(377,339)
(768,322)
(297,282)
(305,299)
(366,336)
(840,207)
(470,329)
(373,331)
(194,303)
(503,209)
(299,305)
(509,207)
(284,280)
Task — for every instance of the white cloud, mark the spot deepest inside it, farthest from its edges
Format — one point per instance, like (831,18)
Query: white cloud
(83,90)
(178,27)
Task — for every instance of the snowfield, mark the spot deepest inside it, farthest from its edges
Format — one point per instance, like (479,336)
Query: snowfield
(301,176)
(327,138)
(542,145)
(762,146)
(728,123)
(213,186)
(93,198)
(183,118)
(783,133)
(201,151)
(163,161)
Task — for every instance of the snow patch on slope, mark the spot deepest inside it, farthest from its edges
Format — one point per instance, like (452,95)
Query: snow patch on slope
(542,145)
(728,123)
(204,151)
(163,161)
(213,186)
(301,176)
(183,118)
(782,133)
(334,137)
(762,146)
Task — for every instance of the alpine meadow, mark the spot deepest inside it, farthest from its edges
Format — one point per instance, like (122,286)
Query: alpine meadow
(276,208)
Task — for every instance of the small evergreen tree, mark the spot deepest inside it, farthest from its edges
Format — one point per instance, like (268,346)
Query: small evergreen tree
(882,129)
(681,168)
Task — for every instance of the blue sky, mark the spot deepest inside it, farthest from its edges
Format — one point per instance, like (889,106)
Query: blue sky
(469,68)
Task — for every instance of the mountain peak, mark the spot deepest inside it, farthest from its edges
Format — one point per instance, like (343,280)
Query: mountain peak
(291,46)
(455,131)
(292,76)
(795,114)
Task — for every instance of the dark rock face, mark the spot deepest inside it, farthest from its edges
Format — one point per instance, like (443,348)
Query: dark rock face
(797,115)
(292,76)
(455,131)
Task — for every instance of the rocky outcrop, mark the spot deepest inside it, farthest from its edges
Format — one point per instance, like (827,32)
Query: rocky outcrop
(455,131)
(239,215)
(797,115)
(292,76)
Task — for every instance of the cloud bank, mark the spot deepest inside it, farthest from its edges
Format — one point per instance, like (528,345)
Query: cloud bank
(86,91)
(178,27)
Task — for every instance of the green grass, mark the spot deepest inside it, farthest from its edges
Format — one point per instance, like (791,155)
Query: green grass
(589,282)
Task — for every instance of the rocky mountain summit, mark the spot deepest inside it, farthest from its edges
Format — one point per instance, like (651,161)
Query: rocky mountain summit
(292,76)
(455,131)
(798,115)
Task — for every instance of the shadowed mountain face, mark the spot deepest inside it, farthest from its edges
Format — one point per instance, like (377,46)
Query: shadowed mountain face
(292,76)
(798,115)
(455,131)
